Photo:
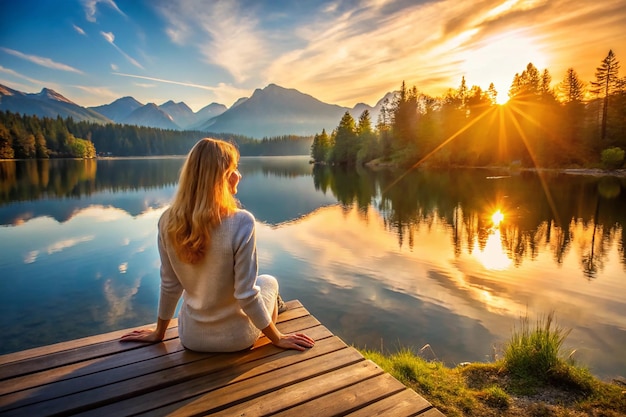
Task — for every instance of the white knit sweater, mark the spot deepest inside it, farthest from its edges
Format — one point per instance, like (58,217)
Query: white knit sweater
(222,309)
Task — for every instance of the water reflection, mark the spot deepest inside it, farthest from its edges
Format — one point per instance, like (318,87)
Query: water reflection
(541,213)
(449,259)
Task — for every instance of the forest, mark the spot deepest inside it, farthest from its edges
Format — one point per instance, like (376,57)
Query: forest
(575,124)
(31,137)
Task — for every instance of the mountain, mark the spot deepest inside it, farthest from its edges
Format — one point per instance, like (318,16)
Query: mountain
(47,103)
(358,109)
(212,110)
(180,113)
(271,111)
(151,115)
(275,111)
(119,109)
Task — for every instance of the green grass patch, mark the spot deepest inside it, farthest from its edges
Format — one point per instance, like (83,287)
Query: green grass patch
(532,367)
(533,352)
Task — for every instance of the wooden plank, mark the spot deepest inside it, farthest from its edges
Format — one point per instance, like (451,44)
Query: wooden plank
(403,403)
(74,355)
(69,345)
(305,393)
(96,347)
(99,376)
(74,370)
(159,402)
(139,376)
(269,381)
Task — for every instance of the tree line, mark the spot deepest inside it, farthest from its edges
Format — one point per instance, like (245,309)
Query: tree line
(32,137)
(574,124)
(409,202)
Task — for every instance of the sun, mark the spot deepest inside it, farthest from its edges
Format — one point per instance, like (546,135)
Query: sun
(497,59)
(497,218)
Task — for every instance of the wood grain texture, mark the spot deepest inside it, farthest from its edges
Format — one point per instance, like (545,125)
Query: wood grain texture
(100,376)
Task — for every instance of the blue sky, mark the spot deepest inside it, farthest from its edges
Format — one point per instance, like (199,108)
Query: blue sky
(341,52)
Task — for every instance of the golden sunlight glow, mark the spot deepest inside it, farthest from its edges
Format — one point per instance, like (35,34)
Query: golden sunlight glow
(498,59)
(493,257)
(497,218)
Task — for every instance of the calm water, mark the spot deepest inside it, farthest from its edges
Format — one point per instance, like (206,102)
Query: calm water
(383,260)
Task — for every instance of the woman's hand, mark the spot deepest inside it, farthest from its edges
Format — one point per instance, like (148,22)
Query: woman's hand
(297,341)
(147,335)
(142,335)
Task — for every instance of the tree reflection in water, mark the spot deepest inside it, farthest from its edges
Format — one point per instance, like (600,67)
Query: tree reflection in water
(493,215)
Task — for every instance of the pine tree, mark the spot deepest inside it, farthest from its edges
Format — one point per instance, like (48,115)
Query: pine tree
(320,147)
(346,146)
(528,85)
(572,88)
(607,76)
(367,139)
(492,93)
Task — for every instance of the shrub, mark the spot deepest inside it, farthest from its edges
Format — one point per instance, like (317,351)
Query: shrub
(534,352)
(612,158)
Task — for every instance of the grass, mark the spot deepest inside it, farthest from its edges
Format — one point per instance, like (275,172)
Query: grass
(532,379)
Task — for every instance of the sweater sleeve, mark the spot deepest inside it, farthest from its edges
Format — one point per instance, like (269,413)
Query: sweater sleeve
(171,288)
(247,292)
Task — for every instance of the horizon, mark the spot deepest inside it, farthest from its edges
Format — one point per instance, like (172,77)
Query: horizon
(94,52)
(179,102)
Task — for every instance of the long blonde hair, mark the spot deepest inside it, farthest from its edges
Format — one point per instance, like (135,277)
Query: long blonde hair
(203,198)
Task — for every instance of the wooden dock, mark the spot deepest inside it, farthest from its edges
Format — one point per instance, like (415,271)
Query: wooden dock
(99,376)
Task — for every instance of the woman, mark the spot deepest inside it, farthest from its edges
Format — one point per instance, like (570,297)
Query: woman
(208,254)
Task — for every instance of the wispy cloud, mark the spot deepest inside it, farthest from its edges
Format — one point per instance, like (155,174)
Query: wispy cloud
(433,44)
(145,85)
(44,62)
(223,92)
(79,30)
(110,38)
(18,75)
(91,6)
(161,80)
(99,92)
(225,34)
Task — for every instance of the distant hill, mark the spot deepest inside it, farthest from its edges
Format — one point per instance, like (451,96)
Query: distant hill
(275,111)
(151,115)
(180,113)
(119,109)
(271,111)
(375,110)
(212,110)
(47,103)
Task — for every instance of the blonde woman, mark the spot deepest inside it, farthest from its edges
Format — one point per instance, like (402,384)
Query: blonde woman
(208,255)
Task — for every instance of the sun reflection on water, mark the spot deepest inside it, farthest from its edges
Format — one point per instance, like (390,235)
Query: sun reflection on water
(497,218)
(493,256)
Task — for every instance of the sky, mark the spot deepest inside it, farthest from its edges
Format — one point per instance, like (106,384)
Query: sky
(341,52)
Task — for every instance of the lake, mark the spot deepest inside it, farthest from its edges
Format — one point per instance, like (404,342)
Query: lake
(443,262)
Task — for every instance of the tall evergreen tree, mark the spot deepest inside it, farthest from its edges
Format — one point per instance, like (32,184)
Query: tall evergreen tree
(492,93)
(607,76)
(383,126)
(572,88)
(405,117)
(526,86)
(367,139)
(346,146)
(320,147)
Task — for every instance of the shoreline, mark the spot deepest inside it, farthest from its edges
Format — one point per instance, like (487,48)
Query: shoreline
(592,172)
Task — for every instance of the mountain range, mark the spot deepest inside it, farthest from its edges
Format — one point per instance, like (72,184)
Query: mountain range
(271,111)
